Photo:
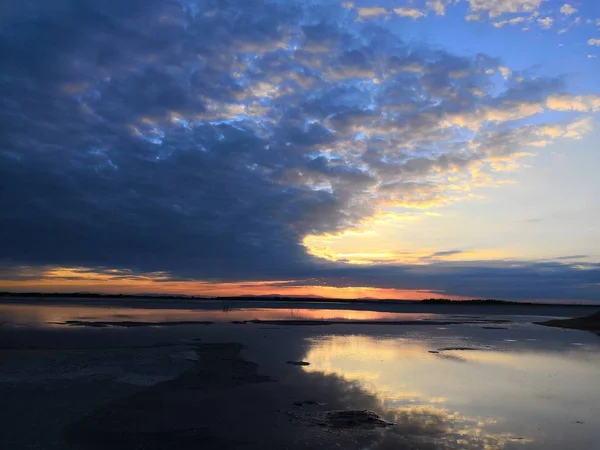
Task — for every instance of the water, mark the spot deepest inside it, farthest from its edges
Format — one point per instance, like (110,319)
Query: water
(529,394)
(45,316)
(471,385)
(44,313)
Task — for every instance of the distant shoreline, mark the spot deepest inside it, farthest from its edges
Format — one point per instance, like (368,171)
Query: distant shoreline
(278,298)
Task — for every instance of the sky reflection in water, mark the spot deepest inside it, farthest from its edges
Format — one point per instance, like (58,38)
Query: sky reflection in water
(48,315)
(523,387)
(494,398)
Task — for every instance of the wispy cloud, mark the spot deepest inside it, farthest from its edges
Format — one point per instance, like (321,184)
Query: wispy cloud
(499,7)
(513,21)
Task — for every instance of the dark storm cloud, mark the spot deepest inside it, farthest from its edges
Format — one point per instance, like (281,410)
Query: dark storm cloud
(530,280)
(206,139)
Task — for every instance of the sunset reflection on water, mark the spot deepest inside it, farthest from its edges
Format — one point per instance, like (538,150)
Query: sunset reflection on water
(446,385)
(492,398)
(48,315)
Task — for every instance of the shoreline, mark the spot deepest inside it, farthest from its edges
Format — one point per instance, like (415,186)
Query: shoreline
(16,297)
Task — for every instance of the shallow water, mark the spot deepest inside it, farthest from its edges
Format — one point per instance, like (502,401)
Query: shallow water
(44,313)
(467,386)
(52,315)
(502,394)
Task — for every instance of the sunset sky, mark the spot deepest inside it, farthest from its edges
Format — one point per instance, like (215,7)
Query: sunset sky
(380,148)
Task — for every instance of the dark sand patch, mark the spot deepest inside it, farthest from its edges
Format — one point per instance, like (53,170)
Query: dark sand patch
(375,322)
(164,416)
(224,403)
(441,352)
(20,348)
(309,403)
(344,419)
(588,323)
(131,324)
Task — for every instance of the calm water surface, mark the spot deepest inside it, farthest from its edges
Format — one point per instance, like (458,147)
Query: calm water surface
(509,393)
(471,386)
(56,315)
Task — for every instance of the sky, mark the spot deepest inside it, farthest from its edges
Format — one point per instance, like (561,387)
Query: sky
(380,148)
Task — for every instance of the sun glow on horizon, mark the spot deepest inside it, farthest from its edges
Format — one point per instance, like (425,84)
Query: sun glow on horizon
(114,281)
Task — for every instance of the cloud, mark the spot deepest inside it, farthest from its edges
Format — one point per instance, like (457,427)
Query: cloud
(479,9)
(504,112)
(582,103)
(437,6)
(512,21)
(413,13)
(498,7)
(545,22)
(501,279)
(371,12)
(567,9)
(595,42)
(574,130)
(505,71)
(206,140)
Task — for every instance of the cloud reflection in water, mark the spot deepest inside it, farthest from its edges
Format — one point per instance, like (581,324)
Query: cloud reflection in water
(480,399)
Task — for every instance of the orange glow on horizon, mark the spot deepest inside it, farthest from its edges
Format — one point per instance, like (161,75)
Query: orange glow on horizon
(63,280)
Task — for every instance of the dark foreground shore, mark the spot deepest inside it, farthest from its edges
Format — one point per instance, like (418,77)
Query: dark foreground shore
(223,402)
(220,400)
